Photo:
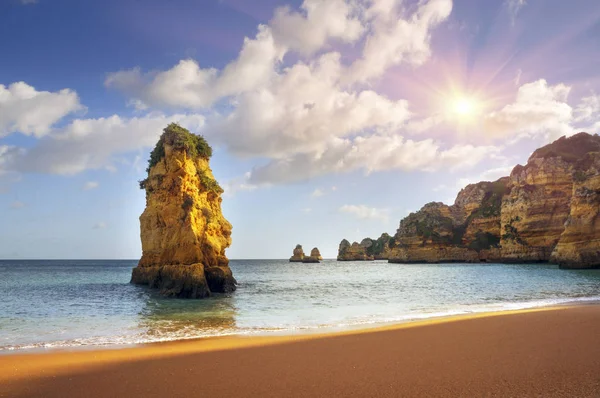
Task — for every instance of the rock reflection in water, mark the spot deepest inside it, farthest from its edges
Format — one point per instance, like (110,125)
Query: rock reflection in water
(170,319)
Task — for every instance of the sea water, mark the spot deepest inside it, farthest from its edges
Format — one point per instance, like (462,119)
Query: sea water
(68,303)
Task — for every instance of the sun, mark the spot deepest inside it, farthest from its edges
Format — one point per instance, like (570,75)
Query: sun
(464,106)
(463,109)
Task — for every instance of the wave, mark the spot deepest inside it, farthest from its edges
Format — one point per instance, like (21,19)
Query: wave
(347,324)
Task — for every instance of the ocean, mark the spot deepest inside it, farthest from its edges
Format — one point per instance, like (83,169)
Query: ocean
(74,303)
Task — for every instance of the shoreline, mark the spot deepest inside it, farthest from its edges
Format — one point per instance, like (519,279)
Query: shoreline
(493,345)
(319,330)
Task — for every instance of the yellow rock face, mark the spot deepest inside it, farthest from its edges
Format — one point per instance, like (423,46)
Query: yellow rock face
(547,210)
(183,225)
(536,208)
(368,249)
(579,244)
(353,252)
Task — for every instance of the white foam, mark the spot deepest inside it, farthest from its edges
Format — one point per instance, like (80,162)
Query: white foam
(128,340)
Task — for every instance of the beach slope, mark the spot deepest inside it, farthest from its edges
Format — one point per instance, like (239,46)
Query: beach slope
(547,353)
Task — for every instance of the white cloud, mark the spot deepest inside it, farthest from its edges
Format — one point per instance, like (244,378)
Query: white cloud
(306,110)
(320,20)
(7,155)
(100,225)
(306,210)
(92,143)
(317,193)
(309,118)
(514,6)
(370,154)
(236,185)
(518,75)
(187,85)
(392,37)
(364,212)
(301,109)
(397,38)
(17,205)
(90,185)
(539,109)
(25,110)
(588,109)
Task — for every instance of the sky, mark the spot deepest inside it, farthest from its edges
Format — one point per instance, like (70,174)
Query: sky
(329,119)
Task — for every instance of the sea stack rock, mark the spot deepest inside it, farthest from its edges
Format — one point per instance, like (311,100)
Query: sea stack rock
(316,253)
(298,255)
(315,257)
(184,234)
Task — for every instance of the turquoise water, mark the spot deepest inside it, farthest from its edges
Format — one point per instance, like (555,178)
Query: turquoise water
(45,304)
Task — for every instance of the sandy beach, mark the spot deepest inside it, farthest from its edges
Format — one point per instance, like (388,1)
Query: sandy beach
(546,353)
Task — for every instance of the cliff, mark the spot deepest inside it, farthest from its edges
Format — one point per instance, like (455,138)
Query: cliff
(467,231)
(579,244)
(352,252)
(367,250)
(545,211)
(184,234)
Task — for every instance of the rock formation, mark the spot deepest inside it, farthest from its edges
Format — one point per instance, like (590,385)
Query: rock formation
(368,249)
(316,253)
(579,244)
(184,234)
(315,256)
(545,211)
(298,255)
(354,251)
(467,231)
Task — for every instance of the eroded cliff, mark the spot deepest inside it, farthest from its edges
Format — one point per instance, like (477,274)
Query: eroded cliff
(467,231)
(184,234)
(579,244)
(367,250)
(545,211)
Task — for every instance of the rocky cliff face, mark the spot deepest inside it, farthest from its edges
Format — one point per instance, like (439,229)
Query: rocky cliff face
(367,250)
(543,195)
(544,211)
(467,231)
(184,234)
(353,252)
(579,244)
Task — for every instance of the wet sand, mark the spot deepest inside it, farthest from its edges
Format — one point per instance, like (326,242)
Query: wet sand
(541,353)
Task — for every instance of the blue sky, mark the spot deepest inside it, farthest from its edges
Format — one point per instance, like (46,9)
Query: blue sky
(330,119)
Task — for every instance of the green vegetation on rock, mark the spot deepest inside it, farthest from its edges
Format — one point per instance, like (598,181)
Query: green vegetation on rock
(179,138)
(492,201)
(209,183)
(194,145)
(579,176)
(512,233)
(570,149)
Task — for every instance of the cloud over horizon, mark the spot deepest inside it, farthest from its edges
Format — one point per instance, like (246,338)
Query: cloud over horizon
(300,97)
